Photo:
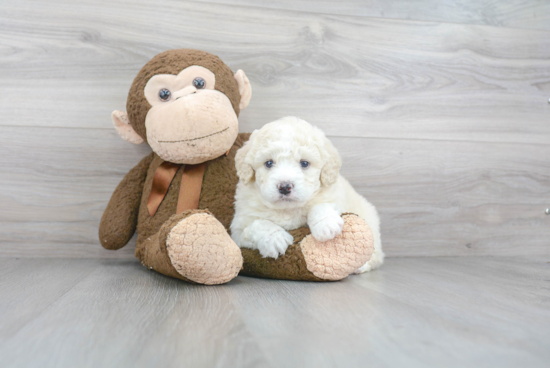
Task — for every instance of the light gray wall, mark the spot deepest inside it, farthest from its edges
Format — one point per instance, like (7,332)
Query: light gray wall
(440,110)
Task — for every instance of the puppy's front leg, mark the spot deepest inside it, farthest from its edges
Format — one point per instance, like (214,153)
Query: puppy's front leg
(270,239)
(325,222)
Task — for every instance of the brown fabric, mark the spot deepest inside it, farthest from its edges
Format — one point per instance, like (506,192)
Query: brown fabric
(119,221)
(152,252)
(217,194)
(173,62)
(167,253)
(290,266)
(190,188)
(217,197)
(164,174)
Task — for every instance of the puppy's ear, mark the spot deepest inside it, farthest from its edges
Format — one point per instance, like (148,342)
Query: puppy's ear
(245,172)
(333,162)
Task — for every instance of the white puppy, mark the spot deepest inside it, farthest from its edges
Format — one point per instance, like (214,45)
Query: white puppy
(289,178)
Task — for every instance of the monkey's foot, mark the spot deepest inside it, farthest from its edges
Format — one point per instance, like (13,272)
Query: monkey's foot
(202,251)
(337,258)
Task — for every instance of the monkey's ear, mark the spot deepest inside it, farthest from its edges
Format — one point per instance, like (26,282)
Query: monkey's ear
(245,90)
(123,127)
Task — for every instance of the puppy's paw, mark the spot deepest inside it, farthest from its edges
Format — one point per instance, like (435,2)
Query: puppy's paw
(328,228)
(275,244)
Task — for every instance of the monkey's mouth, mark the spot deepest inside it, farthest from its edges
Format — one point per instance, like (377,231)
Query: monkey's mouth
(195,139)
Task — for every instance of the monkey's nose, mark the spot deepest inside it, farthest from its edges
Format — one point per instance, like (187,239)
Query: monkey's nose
(184,92)
(285,187)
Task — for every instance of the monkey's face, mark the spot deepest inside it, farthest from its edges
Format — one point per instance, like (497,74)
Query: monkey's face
(189,121)
(185,104)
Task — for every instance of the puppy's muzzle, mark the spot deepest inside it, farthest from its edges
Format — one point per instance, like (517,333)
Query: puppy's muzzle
(285,187)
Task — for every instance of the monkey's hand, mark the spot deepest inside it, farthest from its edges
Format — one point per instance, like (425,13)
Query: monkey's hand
(119,221)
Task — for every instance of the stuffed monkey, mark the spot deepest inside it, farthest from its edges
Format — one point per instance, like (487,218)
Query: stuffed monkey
(185,104)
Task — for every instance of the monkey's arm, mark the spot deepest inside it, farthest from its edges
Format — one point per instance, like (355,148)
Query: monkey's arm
(119,221)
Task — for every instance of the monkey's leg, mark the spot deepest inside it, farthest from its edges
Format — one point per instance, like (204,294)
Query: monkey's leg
(310,260)
(192,246)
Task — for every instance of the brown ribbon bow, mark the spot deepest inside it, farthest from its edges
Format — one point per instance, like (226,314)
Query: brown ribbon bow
(190,189)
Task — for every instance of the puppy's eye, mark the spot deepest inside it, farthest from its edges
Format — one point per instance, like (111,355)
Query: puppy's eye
(269,164)
(165,94)
(199,83)
(304,164)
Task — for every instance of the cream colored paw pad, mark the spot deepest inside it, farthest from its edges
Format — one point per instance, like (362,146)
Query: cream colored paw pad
(341,256)
(202,251)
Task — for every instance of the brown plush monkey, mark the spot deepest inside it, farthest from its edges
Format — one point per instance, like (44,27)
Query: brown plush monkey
(184,104)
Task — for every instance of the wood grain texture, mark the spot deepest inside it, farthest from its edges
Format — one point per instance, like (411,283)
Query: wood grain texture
(352,76)
(434,197)
(29,287)
(444,127)
(413,312)
(56,184)
(534,14)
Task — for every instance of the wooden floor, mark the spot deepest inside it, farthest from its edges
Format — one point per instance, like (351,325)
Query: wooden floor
(414,312)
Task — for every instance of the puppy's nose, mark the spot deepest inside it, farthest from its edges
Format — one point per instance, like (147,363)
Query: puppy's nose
(285,187)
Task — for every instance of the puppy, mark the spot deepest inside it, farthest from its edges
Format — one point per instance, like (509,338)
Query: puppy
(289,178)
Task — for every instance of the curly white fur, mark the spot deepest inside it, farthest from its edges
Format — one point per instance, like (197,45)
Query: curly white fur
(318,193)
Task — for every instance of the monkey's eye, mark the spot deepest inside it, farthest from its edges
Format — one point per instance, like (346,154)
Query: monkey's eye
(199,83)
(165,94)
(269,164)
(304,164)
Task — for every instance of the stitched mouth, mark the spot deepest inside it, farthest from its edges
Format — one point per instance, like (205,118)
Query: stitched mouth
(195,139)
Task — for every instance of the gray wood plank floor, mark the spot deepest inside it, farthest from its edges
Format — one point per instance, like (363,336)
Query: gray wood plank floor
(414,312)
